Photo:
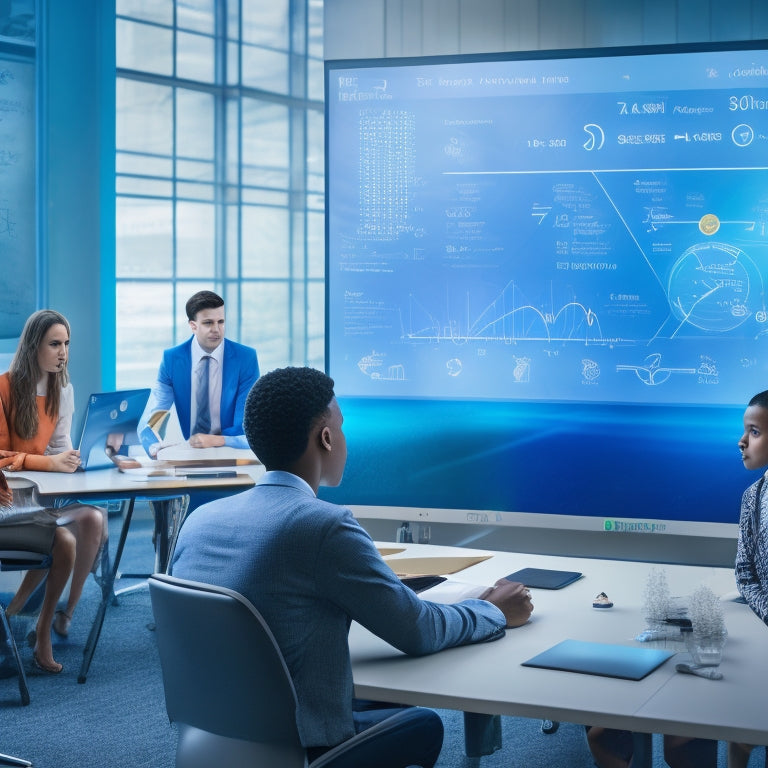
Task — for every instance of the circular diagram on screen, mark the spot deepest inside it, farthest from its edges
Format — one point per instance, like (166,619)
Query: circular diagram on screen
(710,287)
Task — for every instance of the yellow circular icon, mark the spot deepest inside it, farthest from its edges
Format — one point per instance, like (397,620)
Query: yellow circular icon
(709,223)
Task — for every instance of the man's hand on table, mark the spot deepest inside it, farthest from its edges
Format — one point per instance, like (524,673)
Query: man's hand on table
(513,599)
(201,440)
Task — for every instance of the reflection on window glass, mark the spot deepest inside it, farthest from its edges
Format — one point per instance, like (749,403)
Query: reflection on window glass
(195,170)
(195,57)
(316,323)
(138,185)
(315,22)
(197,15)
(263,322)
(144,243)
(264,68)
(264,153)
(266,24)
(195,233)
(158,11)
(316,245)
(140,338)
(144,117)
(194,124)
(193,191)
(264,244)
(142,164)
(315,79)
(144,47)
(206,172)
(232,158)
(232,239)
(233,64)
(315,151)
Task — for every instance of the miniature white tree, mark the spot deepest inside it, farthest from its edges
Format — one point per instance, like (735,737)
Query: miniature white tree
(656,598)
(706,613)
(707,638)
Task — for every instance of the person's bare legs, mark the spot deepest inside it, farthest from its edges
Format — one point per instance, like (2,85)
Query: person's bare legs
(63,558)
(28,585)
(603,744)
(87,525)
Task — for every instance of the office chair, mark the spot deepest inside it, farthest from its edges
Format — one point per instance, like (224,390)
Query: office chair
(18,560)
(227,687)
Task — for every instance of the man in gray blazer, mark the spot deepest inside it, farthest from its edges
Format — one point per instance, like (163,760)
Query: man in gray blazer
(310,569)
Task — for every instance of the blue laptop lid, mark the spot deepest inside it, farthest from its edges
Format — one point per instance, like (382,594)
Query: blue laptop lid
(624,661)
(110,413)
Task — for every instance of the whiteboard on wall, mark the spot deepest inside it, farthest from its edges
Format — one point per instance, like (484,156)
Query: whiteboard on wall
(17,194)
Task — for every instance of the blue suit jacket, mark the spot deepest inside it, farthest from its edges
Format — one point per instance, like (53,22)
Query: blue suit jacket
(310,568)
(174,386)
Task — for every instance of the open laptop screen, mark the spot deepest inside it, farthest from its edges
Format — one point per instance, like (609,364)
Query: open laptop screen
(110,413)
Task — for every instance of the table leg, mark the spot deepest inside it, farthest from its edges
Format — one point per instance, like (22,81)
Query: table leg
(642,756)
(8,760)
(106,595)
(174,517)
(482,734)
(5,629)
(168,515)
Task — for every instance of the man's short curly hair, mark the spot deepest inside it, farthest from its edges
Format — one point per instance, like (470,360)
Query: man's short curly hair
(760,399)
(280,411)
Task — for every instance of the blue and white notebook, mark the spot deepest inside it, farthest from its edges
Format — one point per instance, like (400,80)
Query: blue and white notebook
(625,661)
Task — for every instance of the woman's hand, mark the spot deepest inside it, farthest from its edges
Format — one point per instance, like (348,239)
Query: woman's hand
(66,461)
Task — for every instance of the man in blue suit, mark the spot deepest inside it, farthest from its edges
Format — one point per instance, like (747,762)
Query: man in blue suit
(310,569)
(207,378)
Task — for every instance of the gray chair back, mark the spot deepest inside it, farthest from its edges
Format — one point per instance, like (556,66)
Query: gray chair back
(225,680)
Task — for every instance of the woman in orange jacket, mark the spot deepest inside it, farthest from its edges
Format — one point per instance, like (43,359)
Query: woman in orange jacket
(36,408)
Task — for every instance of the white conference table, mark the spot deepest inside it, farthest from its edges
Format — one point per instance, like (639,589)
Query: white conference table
(110,483)
(489,679)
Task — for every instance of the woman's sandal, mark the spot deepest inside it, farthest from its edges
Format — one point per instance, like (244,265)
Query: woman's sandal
(49,670)
(61,622)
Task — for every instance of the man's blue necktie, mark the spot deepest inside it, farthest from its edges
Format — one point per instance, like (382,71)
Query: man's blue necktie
(203,420)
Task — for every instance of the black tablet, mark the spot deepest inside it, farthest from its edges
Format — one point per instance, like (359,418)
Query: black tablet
(544,578)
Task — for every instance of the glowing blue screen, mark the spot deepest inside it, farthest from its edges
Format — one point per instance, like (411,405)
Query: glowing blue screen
(583,233)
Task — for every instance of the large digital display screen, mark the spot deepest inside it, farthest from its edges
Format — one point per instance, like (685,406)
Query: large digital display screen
(584,232)
(582,228)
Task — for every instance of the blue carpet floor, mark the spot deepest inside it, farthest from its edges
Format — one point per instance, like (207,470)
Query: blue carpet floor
(117,718)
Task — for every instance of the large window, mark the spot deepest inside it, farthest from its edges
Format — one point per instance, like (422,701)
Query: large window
(219,176)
